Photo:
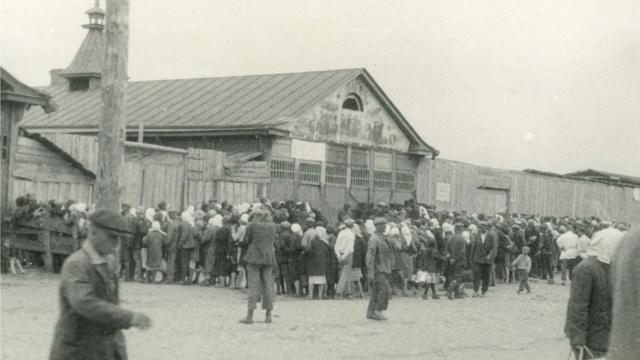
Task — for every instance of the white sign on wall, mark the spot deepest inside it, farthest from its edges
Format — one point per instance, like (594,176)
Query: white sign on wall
(636,194)
(443,192)
(308,150)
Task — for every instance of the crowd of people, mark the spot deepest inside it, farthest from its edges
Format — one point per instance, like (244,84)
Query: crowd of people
(293,249)
(320,258)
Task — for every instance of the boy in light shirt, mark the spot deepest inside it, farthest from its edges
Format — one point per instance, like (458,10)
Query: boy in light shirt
(523,265)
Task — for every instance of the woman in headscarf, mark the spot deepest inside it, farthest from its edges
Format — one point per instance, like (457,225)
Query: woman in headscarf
(318,257)
(260,258)
(222,252)
(154,241)
(207,246)
(292,249)
(186,246)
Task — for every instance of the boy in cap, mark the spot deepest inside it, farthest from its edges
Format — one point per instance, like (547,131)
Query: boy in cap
(91,320)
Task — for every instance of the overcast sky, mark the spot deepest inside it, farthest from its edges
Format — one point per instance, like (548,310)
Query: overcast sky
(547,84)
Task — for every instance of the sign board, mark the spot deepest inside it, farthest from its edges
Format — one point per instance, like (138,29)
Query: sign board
(308,150)
(443,192)
(636,194)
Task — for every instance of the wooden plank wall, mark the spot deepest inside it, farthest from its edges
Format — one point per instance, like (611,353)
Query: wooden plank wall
(528,193)
(41,171)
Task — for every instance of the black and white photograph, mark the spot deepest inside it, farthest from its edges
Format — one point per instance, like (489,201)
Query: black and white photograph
(319,180)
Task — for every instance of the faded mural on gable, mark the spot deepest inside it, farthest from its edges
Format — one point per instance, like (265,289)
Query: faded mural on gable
(372,127)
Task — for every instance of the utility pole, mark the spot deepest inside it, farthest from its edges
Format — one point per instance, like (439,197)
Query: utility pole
(111,135)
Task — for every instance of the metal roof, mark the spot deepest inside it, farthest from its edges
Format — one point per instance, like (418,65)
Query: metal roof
(90,56)
(212,104)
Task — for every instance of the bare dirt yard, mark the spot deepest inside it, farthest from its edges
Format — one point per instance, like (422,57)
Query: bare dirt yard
(195,322)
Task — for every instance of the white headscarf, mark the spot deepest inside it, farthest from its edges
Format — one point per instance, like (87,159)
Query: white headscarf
(321,233)
(356,230)
(371,228)
(216,221)
(191,210)
(149,213)
(155,226)
(244,218)
(604,244)
(296,229)
(186,217)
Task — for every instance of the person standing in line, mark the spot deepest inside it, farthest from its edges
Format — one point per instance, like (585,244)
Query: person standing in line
(522,265)
(91,319)
(344,247)
(186,247)
(568,244)
(171,251)
(589,310)
(378,270)
(154,241)
(484,249)
(260,259)
(583,244)
(457,256)
(318,255)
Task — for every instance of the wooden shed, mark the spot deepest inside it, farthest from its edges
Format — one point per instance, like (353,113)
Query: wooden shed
(16,99)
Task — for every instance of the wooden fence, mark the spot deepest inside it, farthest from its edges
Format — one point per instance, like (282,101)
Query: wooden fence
(453,185)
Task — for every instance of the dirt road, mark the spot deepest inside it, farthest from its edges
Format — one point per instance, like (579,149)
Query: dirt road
(202,323)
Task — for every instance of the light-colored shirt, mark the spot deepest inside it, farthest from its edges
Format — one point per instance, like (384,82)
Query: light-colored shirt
(583,244)
(522,262)
(568,244)
(345,243)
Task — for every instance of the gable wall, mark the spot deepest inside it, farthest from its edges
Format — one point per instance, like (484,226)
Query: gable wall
(373,127)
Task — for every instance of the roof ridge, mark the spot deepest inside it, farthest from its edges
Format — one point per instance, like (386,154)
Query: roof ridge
(252,75)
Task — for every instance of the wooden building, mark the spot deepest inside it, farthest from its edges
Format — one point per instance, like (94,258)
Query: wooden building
(327,137)
(16,99)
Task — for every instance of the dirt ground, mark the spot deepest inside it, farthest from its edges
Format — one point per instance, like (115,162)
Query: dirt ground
(202,323)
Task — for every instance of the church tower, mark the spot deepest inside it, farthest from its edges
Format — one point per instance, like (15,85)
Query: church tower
(85,70)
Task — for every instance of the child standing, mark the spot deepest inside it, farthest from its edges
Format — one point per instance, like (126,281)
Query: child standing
(523,265)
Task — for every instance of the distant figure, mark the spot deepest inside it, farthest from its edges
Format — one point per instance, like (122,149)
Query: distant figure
(379,268)
(260,258)
(522,265)
(589,310)
(625,330)
(91,320)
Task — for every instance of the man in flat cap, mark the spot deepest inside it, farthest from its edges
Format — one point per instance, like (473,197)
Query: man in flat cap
(379,268)
(91,321)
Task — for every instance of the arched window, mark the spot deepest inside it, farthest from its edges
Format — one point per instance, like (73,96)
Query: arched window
(352,102)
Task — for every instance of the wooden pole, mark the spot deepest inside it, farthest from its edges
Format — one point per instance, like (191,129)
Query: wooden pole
(111,134)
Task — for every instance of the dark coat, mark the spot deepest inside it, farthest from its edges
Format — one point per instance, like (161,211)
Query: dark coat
(261,238)
(153,241)
(481,251)
(90,320)
(359,253)
(457,250)
(186,239)
(318,256)
(171,240)
(590,305)
(223,241)
(332,262)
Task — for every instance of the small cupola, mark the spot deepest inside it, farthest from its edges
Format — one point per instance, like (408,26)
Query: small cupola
(85,71)
(96,17)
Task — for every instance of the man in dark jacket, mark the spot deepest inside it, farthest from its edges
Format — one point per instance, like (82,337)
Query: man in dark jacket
(457,258)
(484,250)
(91,320)
(589,310)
